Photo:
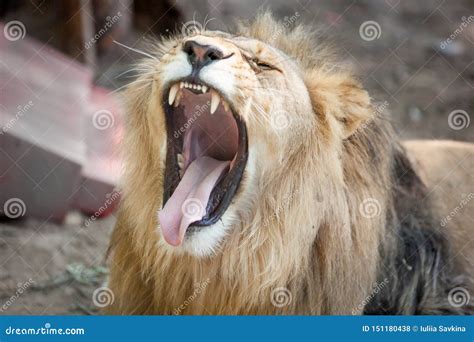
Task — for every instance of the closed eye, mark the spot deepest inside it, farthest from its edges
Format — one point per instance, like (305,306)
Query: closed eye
(259,66)
(264,66)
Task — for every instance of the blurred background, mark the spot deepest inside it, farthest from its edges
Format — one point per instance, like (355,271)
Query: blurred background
(61,116)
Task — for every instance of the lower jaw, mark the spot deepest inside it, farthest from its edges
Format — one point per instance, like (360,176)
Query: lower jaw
(224,191)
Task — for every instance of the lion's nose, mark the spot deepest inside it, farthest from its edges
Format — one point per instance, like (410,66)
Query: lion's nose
(201,55)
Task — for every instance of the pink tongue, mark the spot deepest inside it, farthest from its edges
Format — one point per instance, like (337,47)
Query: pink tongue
(189,200)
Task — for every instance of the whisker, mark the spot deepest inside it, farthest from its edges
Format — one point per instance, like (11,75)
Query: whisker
(133,69)
(146,80)
(207,22)
(136,50)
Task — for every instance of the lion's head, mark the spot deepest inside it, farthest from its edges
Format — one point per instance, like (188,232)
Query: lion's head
(245,149)
(234,117)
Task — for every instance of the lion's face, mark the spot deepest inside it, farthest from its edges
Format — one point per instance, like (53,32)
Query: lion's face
(233,109)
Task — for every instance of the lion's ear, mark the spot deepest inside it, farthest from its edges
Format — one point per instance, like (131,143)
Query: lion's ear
(341,96)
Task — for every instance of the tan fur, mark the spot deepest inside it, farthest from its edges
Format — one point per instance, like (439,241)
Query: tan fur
(446,168)
(299,223)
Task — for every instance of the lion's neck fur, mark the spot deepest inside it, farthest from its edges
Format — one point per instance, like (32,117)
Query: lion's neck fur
(329,267)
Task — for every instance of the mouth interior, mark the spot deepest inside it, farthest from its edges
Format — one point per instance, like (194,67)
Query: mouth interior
(206,154)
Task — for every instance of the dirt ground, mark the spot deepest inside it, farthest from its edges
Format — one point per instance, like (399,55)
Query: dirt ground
(405,70)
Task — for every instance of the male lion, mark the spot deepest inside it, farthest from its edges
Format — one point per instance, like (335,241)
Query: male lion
(259,180)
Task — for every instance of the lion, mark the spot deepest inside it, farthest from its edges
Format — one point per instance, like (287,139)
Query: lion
(260,179)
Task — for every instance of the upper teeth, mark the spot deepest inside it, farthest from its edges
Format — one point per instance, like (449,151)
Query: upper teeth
(187,85)
(215,99)
(173,91)
(175,95)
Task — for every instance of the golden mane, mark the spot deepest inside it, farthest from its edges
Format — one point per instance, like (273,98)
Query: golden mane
(329,267)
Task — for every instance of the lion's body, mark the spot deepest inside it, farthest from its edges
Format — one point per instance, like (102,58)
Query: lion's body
(302,224)
(446,168)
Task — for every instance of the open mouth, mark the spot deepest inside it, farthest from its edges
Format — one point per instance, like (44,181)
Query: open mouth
(206,155)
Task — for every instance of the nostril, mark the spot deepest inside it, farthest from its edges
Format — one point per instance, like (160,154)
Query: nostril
(213,55)
(188,48)
(200,55)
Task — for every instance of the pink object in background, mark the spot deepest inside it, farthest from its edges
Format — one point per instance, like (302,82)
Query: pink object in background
(103,131)
(52,155)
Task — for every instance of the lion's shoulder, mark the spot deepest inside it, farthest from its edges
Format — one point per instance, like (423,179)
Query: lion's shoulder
(446,169)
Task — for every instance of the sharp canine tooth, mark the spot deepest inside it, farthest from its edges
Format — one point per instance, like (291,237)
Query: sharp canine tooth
(181,84)
(204,88)
(226,105)
(180,159)
(178,99)
(173,91)
(215,99)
